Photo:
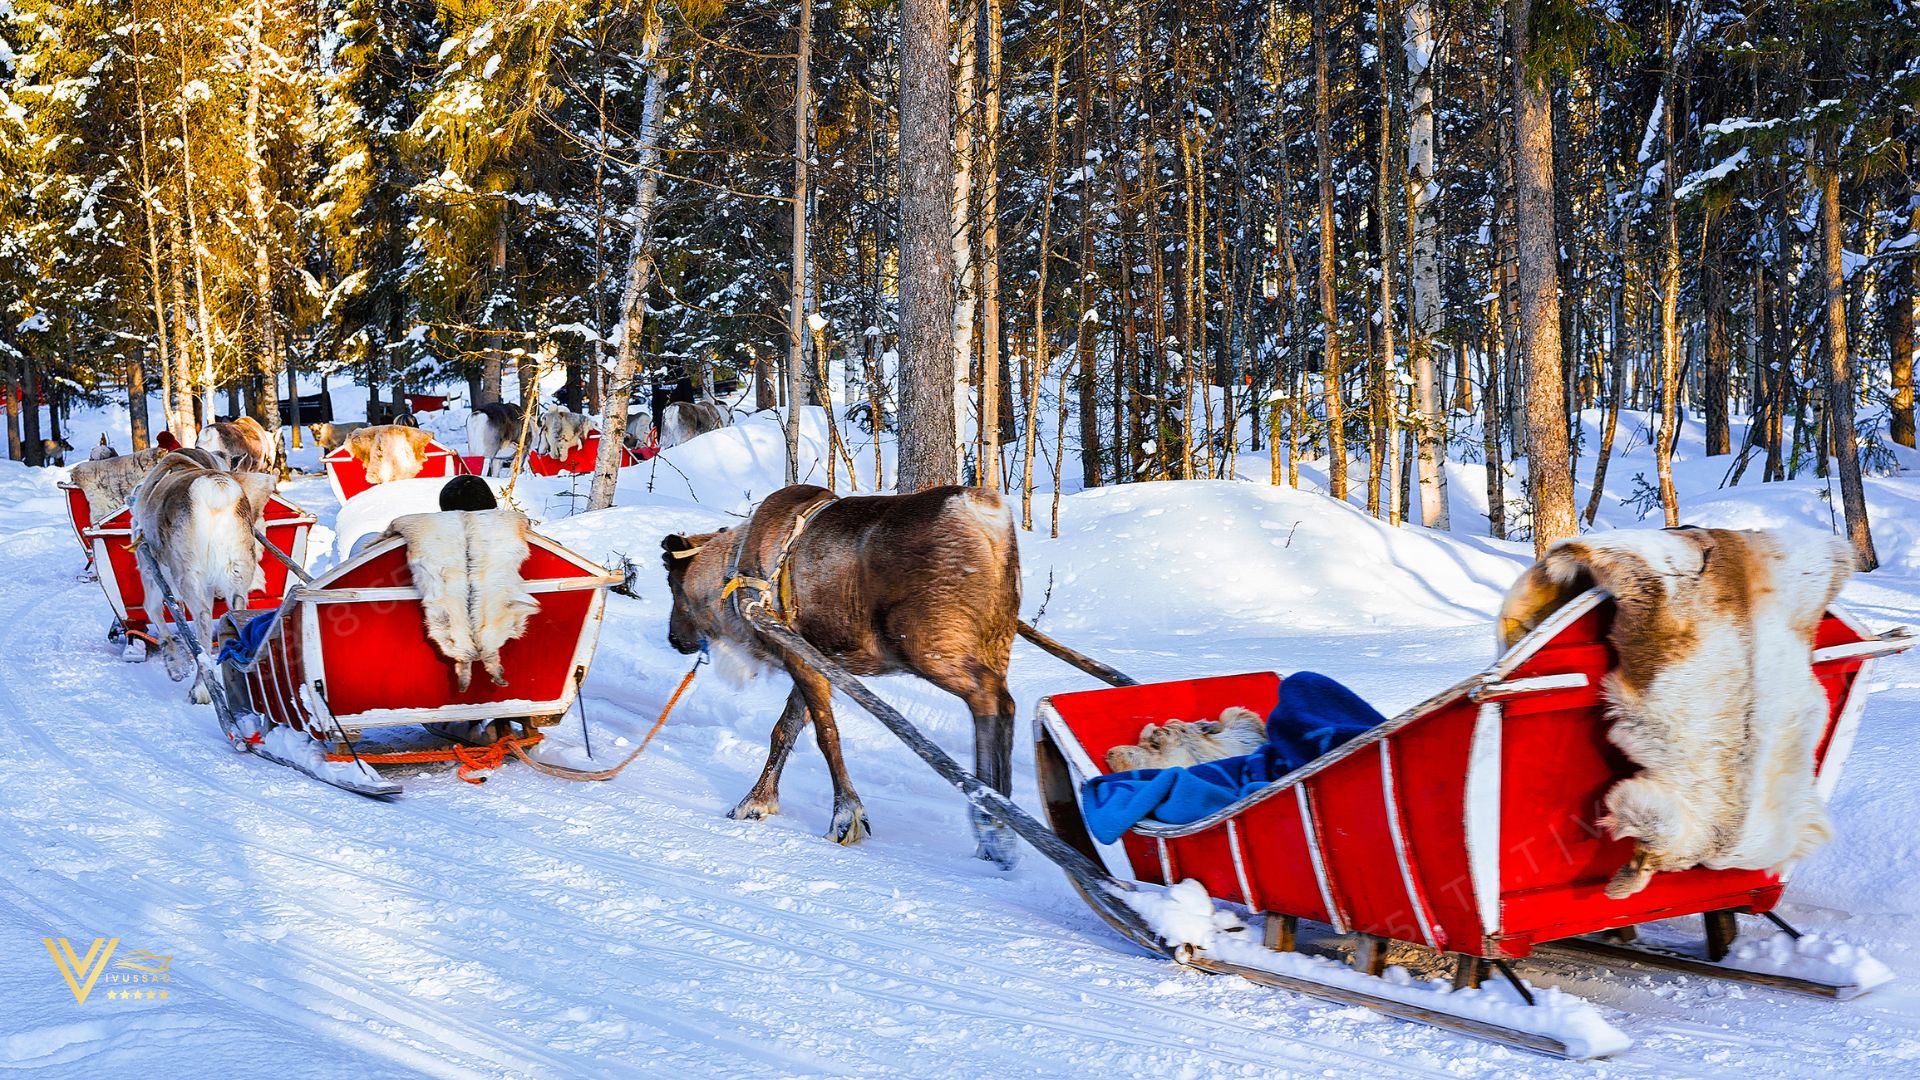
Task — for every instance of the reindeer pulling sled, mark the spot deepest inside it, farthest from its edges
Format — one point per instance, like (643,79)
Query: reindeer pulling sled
(1465,826)
(110,544)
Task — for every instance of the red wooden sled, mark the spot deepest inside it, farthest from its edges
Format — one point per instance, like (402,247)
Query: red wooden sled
(284,524)
(348,476)
(349,652)
(1466,824)
(584,459)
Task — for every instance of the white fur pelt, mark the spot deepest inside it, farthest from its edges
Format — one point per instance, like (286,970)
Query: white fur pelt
(108,481)
(562,432)
(682,420)
(466,564)
(102,452)
(1714,695)
(1178,743)
(390,451)
(194,527)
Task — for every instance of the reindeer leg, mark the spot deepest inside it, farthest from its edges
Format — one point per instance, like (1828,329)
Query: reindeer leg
(993,723)
(764,800)
(849,824)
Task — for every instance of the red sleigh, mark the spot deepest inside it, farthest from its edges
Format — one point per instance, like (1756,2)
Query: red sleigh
(349,652)
(1465,824)
(348,476)
(584,459)
(111,543)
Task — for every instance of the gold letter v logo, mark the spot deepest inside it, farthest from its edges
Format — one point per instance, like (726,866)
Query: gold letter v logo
(75,968)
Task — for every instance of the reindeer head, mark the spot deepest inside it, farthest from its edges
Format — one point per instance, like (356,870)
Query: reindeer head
(696,572)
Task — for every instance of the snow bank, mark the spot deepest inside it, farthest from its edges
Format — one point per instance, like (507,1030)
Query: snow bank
(1221,557)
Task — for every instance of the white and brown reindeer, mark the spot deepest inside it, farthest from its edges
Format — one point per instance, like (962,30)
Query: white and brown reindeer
(193,528)
(926,584)
(683,420)
(241,445)
(491,428)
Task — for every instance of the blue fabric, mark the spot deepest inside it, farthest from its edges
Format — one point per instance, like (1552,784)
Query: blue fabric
(240,649)
(1313,716)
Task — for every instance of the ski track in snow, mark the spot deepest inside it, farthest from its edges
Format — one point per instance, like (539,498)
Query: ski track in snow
(531,927)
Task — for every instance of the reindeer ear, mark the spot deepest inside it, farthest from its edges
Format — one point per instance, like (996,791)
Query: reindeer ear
(675,551)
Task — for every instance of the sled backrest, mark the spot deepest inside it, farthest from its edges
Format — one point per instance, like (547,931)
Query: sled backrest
(348,476)
(365,637)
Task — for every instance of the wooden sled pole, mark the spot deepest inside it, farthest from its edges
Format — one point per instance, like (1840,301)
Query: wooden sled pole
(284,558)
(1100,889)
(1108,675)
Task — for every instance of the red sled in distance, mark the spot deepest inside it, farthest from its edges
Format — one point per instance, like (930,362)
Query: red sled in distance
(348,476)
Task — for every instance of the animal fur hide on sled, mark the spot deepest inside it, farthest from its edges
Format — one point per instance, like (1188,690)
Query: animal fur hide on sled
(1178,743)
(466,564)
(108,481)
(1714,696)
(390,451)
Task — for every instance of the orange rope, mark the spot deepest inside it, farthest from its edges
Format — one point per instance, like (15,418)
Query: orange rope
(565,773)
(474,759)
(471,759)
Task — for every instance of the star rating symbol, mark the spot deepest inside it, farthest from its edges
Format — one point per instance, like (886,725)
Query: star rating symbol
(136,995)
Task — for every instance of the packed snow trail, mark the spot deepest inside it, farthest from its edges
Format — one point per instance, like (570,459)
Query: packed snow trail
(535,927)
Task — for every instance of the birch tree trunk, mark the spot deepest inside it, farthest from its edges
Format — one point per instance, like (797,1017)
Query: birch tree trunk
(1902,335)
(633,299)
(1538,272)
(1669,287)
(928,435)
(966,112)
(1421,188)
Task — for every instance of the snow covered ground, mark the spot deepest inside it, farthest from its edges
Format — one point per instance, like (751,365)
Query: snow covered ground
(535,927)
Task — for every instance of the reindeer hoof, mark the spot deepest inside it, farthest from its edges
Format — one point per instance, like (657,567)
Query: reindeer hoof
(199,696)
(998,844)
(849,825)
(752,809)
(179,663)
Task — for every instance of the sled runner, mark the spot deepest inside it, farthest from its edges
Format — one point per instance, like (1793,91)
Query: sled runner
(110,540)
(349,652)
(348,476)
(582,461)
(1466,825)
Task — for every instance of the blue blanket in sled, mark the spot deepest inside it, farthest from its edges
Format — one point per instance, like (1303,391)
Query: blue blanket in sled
(240,648)
(1314,715)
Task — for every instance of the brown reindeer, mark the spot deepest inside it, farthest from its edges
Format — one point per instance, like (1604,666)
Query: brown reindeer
(927,584)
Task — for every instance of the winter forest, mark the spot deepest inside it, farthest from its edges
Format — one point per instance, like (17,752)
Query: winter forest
(1166,234)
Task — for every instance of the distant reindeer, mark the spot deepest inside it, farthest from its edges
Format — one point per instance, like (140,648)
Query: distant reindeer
(493,427)
(683,420)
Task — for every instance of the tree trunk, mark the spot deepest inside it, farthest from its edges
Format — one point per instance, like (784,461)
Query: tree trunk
(633,299)
(1719,353)
(1669,286)
(797,293)
(1330,373)
(927,432)
(137,401)
(989,182)
(1421,189)
(1838,369)
(270,360)
(1902,338)
(1538,271)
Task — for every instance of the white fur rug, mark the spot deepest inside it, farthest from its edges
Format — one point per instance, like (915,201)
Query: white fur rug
(466,565)
(1714,696)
